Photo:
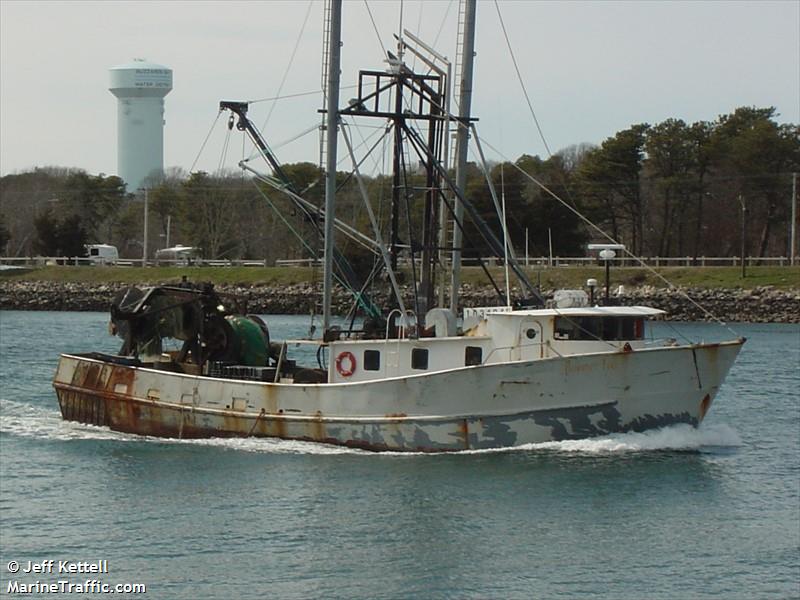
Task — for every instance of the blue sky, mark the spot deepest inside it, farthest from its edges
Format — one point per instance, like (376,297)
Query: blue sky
(591,69)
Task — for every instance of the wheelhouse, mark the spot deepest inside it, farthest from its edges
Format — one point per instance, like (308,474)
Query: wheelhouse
(497,337)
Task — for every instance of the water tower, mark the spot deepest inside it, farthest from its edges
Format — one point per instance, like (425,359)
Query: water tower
(140,87)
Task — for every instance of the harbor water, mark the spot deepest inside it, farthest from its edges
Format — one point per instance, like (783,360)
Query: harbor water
(712,512)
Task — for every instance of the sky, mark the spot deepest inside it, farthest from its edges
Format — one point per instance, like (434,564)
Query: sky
(590,69)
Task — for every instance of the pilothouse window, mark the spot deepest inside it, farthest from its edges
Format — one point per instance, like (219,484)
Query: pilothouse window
(599,328)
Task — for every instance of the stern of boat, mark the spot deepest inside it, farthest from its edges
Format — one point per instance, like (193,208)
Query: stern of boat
(85,386)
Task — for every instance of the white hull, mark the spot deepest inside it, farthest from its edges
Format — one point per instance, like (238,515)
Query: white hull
(487,406)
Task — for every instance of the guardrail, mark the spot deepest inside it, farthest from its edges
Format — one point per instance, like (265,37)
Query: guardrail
(544,261)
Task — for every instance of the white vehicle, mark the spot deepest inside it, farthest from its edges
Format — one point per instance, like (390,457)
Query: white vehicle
(102,254)
(178,255)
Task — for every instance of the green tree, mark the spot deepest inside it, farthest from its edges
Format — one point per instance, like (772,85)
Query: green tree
(609,182)
(22,196)
(700,135)
(545,217)
(5,236)
(752,157)
(669,167)
(96,199)
(213,211)
(59,238)
(47,242)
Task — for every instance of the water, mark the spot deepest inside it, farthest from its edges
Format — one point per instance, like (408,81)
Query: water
(676,513)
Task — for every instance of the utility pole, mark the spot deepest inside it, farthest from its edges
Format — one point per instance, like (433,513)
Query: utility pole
(744,216)
(144,241)
(793,236)
(526,247)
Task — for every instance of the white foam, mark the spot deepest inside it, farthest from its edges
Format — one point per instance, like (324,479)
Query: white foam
(681,437)
(675,437)
(267,445)
(25,420)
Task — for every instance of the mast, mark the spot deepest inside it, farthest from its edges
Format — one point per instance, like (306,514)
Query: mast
(462,136)
(334,53)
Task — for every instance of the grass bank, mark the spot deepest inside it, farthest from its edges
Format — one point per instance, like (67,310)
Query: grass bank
(551,278)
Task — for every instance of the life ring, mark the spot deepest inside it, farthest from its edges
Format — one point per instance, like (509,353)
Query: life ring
(351,364)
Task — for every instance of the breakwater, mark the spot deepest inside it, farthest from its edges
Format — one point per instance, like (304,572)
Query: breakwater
(758,305)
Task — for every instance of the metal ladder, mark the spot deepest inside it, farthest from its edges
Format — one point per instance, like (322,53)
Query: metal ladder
(456,93)
(454,99)
(326,42)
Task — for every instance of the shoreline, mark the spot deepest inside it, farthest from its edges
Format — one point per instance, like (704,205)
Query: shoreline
(758,305)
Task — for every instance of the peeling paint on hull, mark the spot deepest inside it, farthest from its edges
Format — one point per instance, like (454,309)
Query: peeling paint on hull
(490,406)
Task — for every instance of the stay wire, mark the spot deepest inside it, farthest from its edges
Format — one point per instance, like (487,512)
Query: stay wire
(441,25)
(419,29)
(291,62)
(297,95)
(528,100)
(224,153)
(596,228)
(302,240)
(521,82)
(375,28)
(283,79)
(202,147)
(303,133)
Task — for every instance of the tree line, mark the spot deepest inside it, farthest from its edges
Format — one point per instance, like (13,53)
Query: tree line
(669,189)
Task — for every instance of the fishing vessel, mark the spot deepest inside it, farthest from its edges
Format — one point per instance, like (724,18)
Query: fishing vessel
(411,378)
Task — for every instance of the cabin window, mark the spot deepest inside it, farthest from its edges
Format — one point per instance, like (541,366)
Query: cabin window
(372,360)
(578,328)
(589,329)
(419,358)
(473,355)
(94,252)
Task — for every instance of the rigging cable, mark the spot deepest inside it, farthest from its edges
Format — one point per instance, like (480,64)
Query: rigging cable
(441,25)
(570,205)
(305,132)
(427,160)
(297,95)
(202,147)
(291,62)
(530,104)
(591,224)
(225,145)
(302,240)
(375,27)
(521,82)
(419,28)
